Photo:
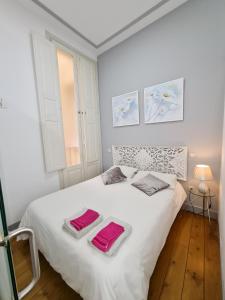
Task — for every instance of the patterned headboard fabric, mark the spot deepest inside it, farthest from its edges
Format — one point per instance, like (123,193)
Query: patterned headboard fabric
(168,159)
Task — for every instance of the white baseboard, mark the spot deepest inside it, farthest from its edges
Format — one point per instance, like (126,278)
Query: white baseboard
(198,210)
(13,226)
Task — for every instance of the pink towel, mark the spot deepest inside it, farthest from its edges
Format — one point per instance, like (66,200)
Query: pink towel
(105,238)
(85,219)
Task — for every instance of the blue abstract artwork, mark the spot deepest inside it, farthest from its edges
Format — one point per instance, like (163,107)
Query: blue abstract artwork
(125,109)
(164,102)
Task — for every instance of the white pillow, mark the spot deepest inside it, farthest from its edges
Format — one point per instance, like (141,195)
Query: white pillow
(129,172)
(171,179)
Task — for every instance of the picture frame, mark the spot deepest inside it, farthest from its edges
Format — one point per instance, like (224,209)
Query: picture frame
(164,102)
(125,109)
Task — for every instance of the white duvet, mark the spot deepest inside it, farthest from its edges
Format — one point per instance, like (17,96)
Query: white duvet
(94,276)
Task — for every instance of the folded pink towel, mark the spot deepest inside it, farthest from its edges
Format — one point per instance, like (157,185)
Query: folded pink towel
(105,238)
(85,219)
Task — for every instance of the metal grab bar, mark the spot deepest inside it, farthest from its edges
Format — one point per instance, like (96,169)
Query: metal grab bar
(34,257)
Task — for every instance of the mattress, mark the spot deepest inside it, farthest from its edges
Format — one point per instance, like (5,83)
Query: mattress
(124,276)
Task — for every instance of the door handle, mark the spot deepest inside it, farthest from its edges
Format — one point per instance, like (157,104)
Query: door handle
(3,242)
(34,257)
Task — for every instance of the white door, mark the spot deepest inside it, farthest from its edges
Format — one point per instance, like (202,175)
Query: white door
(49,103)
(88,93)
(69,111)
(71,118)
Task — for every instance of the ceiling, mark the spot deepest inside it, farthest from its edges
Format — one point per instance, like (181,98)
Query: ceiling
(104,23)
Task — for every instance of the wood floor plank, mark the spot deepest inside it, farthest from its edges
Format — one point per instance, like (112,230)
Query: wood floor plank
(212,262)
(158,277)
(194,275)
(173,284)
(48,291)
(45,284)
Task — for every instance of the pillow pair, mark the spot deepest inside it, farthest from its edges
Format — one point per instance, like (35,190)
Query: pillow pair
(148,182)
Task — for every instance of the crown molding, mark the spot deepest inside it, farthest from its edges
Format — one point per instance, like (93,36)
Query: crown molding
(150,16)
(62,21)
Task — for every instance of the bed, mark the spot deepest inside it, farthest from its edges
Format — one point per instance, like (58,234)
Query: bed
(126,275)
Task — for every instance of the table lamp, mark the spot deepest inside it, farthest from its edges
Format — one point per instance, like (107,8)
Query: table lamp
(203,173)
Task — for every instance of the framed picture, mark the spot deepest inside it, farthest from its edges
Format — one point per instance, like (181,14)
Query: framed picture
(164,102)
(125,109)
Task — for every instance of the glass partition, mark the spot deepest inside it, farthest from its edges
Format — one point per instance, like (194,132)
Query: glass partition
(7,280)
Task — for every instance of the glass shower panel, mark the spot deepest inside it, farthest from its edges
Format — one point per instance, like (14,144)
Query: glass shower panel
(7,279)
(6,291)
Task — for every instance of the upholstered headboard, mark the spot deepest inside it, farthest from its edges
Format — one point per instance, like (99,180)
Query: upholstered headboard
(168,159)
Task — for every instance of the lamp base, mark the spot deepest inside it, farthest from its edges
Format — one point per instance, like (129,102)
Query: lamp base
(203,188)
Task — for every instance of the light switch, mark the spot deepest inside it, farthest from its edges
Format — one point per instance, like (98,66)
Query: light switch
(3,104)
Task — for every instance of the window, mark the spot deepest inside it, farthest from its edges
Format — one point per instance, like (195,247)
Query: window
(69,106)
(69,111)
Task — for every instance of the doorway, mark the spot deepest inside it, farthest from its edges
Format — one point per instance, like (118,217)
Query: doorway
(71,118)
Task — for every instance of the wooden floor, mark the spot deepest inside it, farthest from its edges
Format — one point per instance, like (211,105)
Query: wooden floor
(188,266)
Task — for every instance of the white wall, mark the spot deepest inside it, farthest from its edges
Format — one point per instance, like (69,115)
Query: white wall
(222,212)
(21,158)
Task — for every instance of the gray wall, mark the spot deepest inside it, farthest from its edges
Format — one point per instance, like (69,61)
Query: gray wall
(189,43)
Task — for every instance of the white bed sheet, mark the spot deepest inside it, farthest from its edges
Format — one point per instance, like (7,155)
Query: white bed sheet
(94,276)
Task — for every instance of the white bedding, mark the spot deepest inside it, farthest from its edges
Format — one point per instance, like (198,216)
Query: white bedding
(94,276)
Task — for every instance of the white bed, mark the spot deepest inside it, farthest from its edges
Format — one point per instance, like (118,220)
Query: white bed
(94,276)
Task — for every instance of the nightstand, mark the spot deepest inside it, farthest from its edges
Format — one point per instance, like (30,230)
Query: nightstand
(206,200)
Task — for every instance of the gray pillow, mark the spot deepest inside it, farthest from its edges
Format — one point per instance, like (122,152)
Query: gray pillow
(114,175)
(150,184)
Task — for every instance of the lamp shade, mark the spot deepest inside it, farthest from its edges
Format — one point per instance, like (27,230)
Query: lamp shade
(203,172)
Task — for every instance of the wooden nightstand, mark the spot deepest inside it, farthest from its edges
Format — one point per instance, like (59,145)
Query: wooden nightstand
(206,200)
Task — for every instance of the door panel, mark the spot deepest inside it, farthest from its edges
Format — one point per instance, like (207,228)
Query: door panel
(87,74)
(51,111)
(52,128)
(49,103)
(92,151)
(81,118)
(93,169)
(71,176)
